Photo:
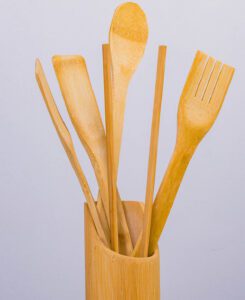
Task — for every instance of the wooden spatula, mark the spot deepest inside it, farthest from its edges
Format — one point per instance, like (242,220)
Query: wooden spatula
(127,39)
(82,107)
(67,143)
(200,103)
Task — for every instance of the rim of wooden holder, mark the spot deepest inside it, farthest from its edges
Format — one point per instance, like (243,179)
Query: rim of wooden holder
(110,275)
(134,234)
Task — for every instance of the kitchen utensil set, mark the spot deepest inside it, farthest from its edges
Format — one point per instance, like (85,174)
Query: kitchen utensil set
(200,103)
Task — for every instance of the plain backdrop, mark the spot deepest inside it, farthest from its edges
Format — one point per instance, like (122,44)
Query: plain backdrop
(41,204)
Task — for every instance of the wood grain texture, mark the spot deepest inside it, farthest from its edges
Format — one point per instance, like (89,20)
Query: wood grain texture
(134,211)
(67,143)
(112,276)
(75,85)
(82,107)
(199,106)
(153,151)
(127,39)
(112,180)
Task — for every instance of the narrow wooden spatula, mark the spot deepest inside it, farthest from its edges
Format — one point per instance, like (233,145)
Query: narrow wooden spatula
(200,103)
(67,143)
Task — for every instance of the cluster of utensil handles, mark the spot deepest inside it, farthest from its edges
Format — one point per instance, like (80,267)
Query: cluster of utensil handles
(200,102)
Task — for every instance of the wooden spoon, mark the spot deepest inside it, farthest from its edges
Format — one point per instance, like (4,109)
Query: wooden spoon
(67,143)
(127,39)
(75,85)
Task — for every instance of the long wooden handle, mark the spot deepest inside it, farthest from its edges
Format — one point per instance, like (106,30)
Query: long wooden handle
(167,192)
(153,150)
(120,89)
(112,186)
(67,143)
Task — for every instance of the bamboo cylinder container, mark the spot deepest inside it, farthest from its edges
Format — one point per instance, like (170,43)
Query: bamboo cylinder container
(112,276)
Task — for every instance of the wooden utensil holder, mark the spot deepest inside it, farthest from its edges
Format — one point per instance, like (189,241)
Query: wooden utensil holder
(111,276)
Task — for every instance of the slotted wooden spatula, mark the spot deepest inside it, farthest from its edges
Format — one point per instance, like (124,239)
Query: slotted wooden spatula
(199,106)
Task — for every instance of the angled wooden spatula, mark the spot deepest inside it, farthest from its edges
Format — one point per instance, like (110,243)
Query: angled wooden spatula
(67,143)
(82,107)
(199,106)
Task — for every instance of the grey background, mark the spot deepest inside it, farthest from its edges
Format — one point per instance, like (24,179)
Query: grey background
(41,214)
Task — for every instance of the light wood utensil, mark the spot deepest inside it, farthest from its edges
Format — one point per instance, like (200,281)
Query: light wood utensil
(200,103)
(127,39)
(153,150)
(82,107)
(112,181)
(73,78)
(67,143)
(134,218)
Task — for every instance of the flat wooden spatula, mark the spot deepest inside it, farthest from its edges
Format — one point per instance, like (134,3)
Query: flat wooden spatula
(200,103)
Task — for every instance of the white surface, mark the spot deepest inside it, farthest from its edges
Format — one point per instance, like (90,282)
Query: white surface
(41,216)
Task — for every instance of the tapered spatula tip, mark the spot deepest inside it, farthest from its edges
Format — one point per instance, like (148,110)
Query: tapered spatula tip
(37,66)
(59,60)
(37,62)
